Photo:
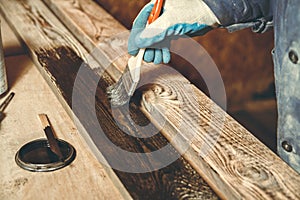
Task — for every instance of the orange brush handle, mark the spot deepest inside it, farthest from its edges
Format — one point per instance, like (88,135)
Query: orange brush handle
(155,11)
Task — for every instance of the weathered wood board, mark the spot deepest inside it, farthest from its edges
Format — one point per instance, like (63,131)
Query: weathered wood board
(234,165)
(59,57)
(232,160)
(91,25)
(11,44)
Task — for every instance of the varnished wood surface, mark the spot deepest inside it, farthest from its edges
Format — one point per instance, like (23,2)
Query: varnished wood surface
(56,52)
(234,164)
(85,178)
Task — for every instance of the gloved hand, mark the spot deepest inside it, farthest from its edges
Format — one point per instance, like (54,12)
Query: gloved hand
(179,18)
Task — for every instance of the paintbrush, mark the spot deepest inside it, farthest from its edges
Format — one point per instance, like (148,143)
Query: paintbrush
(120,93)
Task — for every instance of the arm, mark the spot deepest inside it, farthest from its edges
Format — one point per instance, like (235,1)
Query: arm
(238,14)
(193,18)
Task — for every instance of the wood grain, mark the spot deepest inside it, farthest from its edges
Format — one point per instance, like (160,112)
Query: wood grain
(232,160)
(233,163)
(92,25)
(59,57)
(44,120)
(11,44)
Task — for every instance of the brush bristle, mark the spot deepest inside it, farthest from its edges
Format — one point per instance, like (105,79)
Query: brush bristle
(119,93)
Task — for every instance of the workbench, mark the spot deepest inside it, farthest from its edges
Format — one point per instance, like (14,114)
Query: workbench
(58,35)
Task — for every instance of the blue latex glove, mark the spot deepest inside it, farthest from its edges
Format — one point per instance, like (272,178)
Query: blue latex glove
(178,19)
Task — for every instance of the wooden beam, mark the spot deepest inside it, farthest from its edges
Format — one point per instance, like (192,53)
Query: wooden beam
(232,160)
(59,56)
(234,165)
(91,25)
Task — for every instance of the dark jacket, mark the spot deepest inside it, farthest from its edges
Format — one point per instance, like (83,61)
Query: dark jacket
(258,14)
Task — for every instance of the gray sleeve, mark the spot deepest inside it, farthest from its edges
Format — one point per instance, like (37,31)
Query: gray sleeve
(238,14)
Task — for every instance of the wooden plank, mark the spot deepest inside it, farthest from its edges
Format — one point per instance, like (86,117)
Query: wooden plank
(91,25)
(11,44)
(41,31)
(234,165)
(227,156)
(58,57)
(21,125)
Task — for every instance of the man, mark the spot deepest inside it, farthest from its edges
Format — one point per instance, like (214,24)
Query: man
(196,17)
